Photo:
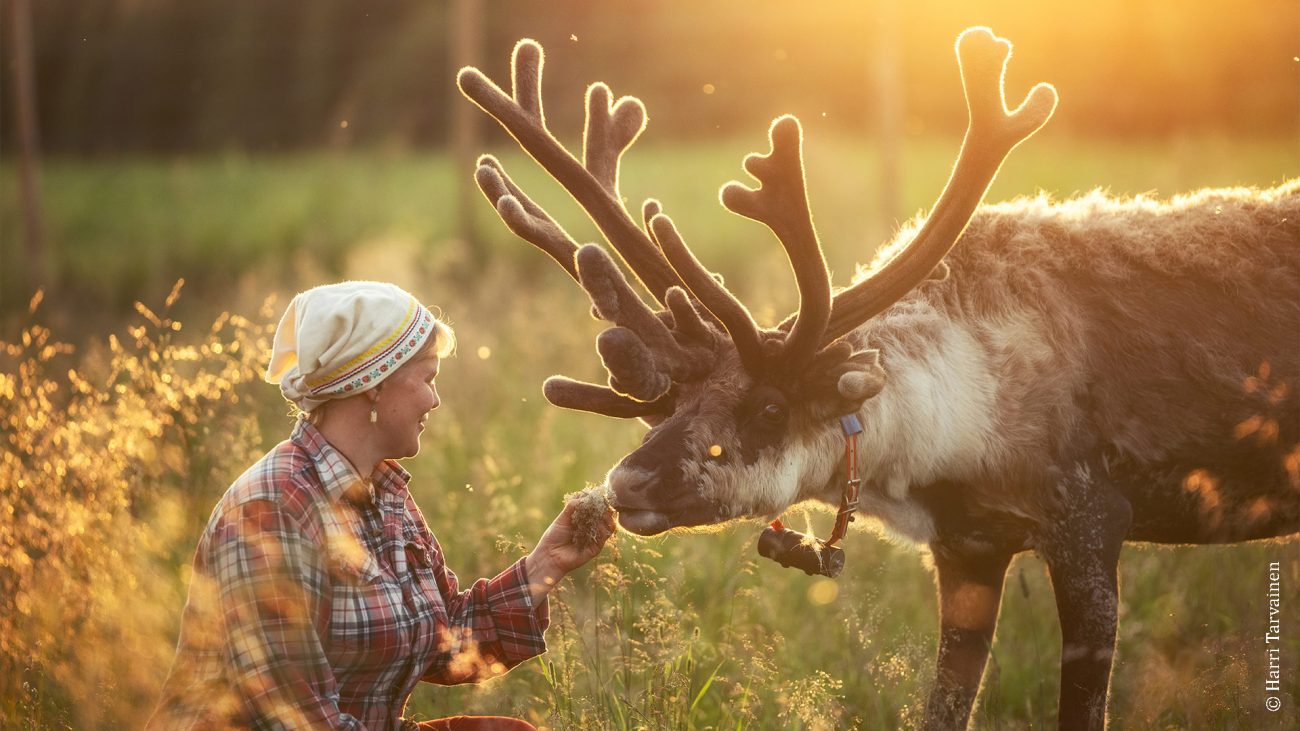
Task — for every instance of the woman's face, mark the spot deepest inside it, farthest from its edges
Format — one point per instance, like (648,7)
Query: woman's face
(405,400)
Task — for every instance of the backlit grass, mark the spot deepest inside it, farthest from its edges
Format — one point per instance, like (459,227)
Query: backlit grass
(114,453)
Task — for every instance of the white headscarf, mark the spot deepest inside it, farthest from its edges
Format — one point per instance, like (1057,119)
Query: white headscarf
(338,340)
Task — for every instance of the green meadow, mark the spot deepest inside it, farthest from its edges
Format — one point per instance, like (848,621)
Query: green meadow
(149,412)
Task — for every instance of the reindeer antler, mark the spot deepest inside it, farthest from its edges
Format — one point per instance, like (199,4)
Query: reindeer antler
(580,396)
(647,351)
(781,202)
(641,353)
(610,129)
(991,135)
(642,356)
(724,305)
(522,216)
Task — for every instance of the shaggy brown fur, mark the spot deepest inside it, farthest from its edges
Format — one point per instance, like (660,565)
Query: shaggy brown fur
(1140,361)
(1166,334)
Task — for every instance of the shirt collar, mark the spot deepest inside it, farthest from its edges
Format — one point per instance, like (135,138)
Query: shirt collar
(337,476)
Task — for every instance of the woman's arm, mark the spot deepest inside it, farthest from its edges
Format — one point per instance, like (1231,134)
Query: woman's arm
(498,623)
(270,580)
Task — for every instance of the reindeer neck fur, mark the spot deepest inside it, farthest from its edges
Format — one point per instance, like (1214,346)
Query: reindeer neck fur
(1124,328)
(933,420)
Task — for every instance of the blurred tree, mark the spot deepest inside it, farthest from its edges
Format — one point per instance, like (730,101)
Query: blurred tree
(164,75)
(20,24)
(891,115)
(467,50)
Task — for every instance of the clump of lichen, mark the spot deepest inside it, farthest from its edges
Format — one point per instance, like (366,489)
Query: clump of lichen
(591,505)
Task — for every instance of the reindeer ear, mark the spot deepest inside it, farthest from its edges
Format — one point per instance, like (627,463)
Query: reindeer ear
(844,378)
(859,377)
(860,385)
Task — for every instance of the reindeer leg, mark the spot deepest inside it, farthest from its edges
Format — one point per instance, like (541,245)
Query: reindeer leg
(1082,554)
(970,593)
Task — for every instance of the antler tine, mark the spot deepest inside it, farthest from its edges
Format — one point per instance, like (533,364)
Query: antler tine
(991,135)
(609,131)
(526,78)
(614,298)
(686,319)
(523,217)
(711,293)
(580,396)
(649,209)
(641,354)
(634,370)
(781,202)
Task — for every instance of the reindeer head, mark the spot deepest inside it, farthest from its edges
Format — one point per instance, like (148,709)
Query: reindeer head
(733,408)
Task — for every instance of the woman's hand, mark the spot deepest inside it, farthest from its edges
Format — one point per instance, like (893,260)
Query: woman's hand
(557,554)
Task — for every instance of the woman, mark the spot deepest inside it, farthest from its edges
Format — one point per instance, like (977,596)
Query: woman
(319,597)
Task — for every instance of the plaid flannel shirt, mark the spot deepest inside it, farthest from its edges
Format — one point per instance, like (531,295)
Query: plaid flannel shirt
(319,602)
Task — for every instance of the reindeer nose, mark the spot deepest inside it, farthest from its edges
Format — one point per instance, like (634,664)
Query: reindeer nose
(626,480)
(635,474)
(657,462)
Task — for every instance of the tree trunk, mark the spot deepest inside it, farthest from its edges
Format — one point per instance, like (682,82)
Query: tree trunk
(466,50)
(29,168)
(889,98)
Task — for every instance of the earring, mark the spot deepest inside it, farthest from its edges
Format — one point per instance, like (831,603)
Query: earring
(374,416)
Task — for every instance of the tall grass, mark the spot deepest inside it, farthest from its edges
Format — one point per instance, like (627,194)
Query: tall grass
(105,475)
(114,451)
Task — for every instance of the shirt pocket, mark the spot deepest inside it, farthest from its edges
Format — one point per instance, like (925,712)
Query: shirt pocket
(419,557)
(423,566)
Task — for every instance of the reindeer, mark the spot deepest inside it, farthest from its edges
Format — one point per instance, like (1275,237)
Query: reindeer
(1074,375)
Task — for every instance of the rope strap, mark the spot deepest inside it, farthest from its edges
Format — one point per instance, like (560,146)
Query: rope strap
(849,498)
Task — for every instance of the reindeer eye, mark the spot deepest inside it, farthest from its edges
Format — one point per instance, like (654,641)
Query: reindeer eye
(774,413)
